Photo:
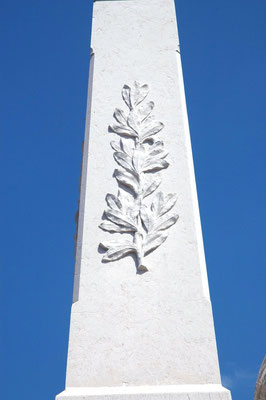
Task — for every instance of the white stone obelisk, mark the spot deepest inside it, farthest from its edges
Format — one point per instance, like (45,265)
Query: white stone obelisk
(141,320)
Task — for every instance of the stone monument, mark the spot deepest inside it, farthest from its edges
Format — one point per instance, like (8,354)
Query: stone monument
(141,321)
(260,390)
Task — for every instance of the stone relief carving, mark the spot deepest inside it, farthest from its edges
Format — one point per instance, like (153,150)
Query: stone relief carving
(141,157)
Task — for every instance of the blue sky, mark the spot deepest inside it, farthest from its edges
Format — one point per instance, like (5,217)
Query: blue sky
(44,73)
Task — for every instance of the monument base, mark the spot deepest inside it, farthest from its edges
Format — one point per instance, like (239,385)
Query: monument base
(180,392)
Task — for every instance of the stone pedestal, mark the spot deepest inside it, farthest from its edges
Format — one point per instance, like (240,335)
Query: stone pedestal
(180,392)
(141,325)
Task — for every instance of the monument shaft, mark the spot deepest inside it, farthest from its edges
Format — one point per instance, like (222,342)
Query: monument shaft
(141,321)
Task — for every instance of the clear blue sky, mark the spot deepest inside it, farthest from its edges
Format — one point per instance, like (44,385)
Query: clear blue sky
(44,73)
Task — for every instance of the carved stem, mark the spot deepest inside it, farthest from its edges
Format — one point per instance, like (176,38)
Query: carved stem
(138,238)
(138,243)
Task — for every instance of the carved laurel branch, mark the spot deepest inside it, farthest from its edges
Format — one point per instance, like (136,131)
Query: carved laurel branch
(139,177)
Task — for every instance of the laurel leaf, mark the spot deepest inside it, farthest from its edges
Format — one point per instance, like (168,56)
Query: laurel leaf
(117,252)
(111,227)
(139,157)
(120,219)
(116,243)
(165,223)
(155,164)
(152,183)
(120,116)
(169,203)
(146,217)
(151,128)
(126,149)
(115,146)
(154,240)
(127,179)
(124,197)
(126,96)
(157,203)
(138,93)
(158,152)
(124,160)
(117,249)
(133,121)
(157,145)
(113,202)
(123,130)
(145,110)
